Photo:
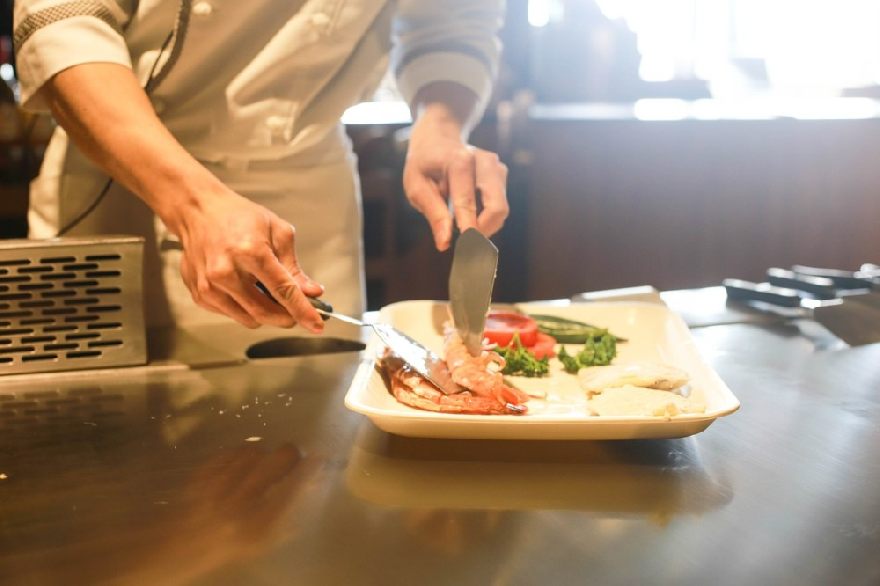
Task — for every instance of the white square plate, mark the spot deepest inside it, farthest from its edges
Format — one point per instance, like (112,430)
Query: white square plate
(654,333)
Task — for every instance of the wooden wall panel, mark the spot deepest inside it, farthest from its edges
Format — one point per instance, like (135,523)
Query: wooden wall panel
(681,204)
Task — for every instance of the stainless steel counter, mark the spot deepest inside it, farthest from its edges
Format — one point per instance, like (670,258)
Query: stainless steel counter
(255,473)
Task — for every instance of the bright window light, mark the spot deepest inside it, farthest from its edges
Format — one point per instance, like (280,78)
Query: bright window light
(539,12)
(7,73)
(796,47)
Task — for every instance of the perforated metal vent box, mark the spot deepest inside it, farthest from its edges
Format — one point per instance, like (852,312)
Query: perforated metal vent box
(71,303)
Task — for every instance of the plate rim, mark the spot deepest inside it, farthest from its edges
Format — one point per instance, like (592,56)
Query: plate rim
(353,398)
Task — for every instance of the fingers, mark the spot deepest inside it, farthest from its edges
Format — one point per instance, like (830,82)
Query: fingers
(424,195)
(492,183)
(233,245)
(283,238)
(471,170)
(467,171)
(462,176)
(223,288)
(213,299)
(267,269)
(226,305)
(221,275)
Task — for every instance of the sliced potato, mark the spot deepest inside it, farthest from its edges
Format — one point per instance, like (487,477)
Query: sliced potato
(638,374)
(638,401)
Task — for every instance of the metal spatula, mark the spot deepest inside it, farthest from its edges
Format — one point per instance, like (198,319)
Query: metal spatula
(421,359)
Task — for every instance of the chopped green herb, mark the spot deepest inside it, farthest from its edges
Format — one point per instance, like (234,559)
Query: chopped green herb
(569,362)
(597,351)
(519,361)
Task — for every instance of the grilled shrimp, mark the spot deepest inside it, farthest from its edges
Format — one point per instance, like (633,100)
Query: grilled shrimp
(410,388)
(481,374)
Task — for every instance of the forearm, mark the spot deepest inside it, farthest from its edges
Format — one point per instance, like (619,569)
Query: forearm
(229,242)
(451,107)
(107,115)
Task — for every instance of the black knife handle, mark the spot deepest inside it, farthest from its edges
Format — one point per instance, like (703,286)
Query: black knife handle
(316,303)
(322,305)
(818,287)
(841,279)
(739,290)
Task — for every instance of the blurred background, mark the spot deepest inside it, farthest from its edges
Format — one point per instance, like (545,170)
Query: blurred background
(664,142)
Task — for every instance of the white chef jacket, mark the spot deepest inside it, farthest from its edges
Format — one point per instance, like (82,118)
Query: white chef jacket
(254,89)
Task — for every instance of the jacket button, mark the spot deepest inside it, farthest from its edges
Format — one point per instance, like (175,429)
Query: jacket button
(202,9)
(278,127)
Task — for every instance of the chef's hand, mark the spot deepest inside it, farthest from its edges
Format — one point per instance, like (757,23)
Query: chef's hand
(441,167)
(229,244)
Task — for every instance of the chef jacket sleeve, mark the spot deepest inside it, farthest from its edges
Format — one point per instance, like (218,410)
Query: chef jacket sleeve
(52,35)
(447,40)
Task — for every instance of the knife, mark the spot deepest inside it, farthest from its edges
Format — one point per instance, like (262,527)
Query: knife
(862,286)
(849,318)
(474,264)
(818,287)
(846,280)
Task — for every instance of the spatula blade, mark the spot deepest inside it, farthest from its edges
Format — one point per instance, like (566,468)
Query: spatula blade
(418,357)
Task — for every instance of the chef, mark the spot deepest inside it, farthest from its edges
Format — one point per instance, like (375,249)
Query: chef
(211,128)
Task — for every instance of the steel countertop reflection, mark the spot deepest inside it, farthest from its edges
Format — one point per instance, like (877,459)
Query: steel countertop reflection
(253,472)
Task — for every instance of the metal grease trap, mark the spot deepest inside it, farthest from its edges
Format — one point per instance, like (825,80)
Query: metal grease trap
(71,303)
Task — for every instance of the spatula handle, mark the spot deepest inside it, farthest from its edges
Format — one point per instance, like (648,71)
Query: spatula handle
(322,306)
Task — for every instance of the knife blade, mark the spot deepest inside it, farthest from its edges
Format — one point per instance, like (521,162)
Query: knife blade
(474,265)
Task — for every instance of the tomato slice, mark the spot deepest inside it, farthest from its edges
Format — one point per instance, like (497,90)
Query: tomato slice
(502,325)
(545,345)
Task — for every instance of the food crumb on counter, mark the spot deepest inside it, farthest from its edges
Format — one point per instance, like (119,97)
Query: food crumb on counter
(253,438)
